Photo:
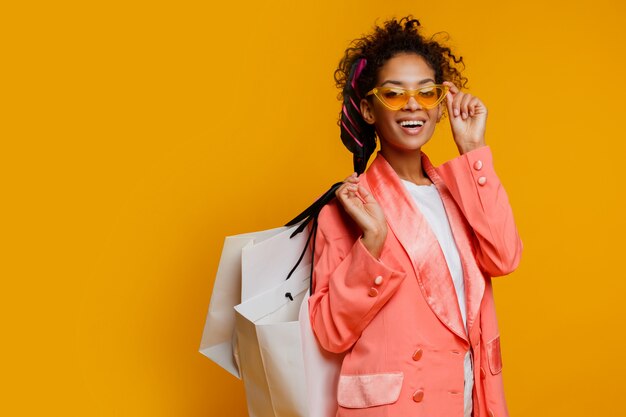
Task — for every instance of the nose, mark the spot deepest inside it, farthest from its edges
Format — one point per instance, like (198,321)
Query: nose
(412,104)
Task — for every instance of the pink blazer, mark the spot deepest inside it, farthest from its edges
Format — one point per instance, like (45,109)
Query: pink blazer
(397,317)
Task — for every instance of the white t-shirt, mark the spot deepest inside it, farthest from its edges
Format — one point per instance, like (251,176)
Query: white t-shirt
(429,202)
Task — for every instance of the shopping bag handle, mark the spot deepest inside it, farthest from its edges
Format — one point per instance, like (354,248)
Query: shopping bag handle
(310,215)
(314,209)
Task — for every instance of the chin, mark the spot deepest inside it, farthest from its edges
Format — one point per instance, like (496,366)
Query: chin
(406,144)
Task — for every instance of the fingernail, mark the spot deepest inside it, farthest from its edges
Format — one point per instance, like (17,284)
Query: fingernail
(456,112)
(464,115)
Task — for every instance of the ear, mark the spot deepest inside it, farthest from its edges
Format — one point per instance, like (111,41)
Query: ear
(439,112)
(367,111)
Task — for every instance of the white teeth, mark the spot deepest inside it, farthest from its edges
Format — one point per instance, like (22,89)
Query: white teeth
(412,123)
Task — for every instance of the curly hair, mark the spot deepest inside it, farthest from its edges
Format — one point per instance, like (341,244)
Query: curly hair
(358,70)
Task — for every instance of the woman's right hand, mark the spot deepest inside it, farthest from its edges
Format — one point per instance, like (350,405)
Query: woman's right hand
(366,212)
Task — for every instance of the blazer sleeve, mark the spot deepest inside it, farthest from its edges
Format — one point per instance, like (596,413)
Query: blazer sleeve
(350,284)
(474,185)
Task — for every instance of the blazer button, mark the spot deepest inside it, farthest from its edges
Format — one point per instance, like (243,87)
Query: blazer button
(418,396)
(482,180)
(417,355)
(373,292)
(478,165)
(378,280)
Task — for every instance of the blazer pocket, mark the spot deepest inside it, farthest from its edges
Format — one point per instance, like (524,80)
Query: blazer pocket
(494,355)
(369,390)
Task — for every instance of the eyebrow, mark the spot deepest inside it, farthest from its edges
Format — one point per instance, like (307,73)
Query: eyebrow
(400,83)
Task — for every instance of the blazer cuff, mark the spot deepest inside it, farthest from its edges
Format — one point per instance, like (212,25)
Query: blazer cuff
(477,162)
(476,188)
(372,278)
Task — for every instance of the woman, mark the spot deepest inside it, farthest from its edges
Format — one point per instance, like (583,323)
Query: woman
(405,254)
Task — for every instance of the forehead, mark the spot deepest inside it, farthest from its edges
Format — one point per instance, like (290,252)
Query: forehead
(406,68)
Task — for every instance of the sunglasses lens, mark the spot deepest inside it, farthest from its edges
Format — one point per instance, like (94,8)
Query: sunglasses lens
(394,97)
(430,96)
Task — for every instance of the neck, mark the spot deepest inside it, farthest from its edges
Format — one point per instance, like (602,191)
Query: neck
(408,165)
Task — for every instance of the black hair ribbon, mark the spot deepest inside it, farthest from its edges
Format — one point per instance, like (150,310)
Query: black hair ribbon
(310,215)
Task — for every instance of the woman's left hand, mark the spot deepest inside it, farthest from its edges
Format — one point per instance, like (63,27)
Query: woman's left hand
(468,118)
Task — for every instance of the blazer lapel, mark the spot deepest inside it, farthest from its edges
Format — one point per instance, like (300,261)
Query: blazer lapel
(418,240)
(473,278)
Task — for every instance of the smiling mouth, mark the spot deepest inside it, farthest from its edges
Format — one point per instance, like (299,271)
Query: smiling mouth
(412,124)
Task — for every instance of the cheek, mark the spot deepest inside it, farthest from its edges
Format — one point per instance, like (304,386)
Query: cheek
(435,114)
(386,124)
(382,119)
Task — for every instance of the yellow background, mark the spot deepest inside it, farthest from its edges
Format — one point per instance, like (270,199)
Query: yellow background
(137,135)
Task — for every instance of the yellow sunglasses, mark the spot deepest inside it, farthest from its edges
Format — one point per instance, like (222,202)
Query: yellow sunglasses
(394,98)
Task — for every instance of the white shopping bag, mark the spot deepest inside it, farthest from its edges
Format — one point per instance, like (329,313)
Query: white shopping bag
(270,349)
(266,263)
(285,371)
(267,339)
(321,369)
(217,339)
